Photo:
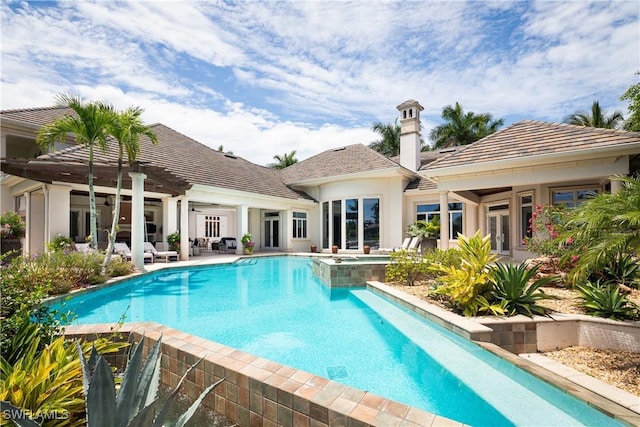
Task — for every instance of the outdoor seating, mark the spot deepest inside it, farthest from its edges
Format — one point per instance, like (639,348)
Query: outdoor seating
(85,248)
(163,255)
(123,250)
(414,245)
(228,245)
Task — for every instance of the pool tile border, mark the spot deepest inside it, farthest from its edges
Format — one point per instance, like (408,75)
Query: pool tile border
(257,391)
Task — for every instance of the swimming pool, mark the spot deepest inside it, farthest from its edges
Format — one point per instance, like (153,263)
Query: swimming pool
(275,308)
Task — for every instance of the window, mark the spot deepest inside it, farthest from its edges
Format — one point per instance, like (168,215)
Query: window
(299,225)
(526,212)
(430,211)
(572,198)
(211,226)
(351,223)
(358,219)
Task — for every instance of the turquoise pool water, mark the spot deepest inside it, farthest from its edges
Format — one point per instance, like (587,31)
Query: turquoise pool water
(274,307)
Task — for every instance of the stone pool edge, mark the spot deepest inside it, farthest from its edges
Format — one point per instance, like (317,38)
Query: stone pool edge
(616,403)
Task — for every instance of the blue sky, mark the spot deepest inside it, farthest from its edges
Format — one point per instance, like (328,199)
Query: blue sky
(263,77)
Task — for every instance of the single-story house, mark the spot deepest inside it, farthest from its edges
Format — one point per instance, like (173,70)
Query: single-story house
(349,197)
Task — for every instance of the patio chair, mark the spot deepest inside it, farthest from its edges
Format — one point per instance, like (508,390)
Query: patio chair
(164,255)
(414,245)
(403,247)
(228,245)
(85,248)
(123,250)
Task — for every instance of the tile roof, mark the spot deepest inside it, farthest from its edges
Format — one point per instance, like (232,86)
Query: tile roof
(178,154)
(352,159)
(530,138)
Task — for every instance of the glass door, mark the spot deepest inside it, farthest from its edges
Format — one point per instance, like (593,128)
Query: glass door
(498,228)
(271,231)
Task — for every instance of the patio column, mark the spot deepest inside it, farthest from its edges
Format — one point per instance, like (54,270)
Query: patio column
(57,214)
(26,245)
(444,220)
(137,219)
(184,228)
(615,185)
(242,225)
(169,217)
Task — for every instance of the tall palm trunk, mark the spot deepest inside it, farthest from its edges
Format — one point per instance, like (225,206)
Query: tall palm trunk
(93,217)
(116,214)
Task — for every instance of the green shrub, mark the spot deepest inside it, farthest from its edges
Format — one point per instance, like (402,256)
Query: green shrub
(60,243)
(46,382)
(137,402)
(516,293)
(605,300)
(173,240)
(448,258)
(119,267)
(468,286)
(11,225)
(623,269)
(406,267)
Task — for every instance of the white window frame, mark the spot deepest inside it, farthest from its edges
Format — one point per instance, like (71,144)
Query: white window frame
(300,223)
(575,189)
(427,216)
(522,222)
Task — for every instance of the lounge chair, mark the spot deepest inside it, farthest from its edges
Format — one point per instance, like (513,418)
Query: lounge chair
(123,250)
(414,245)
(228,245)
(85,248)
(164,255)
(403,247)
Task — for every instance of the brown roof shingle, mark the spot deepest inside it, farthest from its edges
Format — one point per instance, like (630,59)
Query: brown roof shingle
(532,138)
(182,157)
(356,158)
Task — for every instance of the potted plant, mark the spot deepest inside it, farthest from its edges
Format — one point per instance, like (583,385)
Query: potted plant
(247,243)
(426,231)
(12,229)
(366,249)
(173,240)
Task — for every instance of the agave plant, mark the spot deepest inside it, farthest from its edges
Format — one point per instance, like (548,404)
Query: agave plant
(516,290)
(137,403)
(605,300)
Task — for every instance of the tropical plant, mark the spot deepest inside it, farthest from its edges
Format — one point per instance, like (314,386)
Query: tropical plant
(597,119)
(604,227)
(127,131)
(284,161)
(60,243)
(623,269)
(46,383)
(246,239)
(90,126)
(462,128)
(606,300)
(632,95)
(12,225)
(389,143)
(136,403)
(424,229)
(515,289)
(173,240)
(468,286)
(406,267)
(546,225)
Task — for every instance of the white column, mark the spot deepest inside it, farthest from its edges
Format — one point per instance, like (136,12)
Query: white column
(169,217)
(137,219)
(3,145)
(615,185)
(47,222)
(444,220)
(242,224)
(184,228)
(26,246)
(57,211)
(471,214)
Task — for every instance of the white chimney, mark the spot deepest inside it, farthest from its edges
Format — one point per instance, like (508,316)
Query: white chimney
(410,134)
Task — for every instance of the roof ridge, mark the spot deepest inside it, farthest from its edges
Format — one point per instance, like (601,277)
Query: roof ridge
(16,110)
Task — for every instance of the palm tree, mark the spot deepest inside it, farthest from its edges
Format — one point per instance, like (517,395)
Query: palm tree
(597,118)
(389,144)
(90,127)
(282,162)
(462,128)
(127,132)
(604,227)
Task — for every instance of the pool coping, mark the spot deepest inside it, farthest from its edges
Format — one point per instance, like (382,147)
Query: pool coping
(368,408)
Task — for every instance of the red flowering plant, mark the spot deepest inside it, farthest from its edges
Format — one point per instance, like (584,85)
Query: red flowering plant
(12,225)
(547,225)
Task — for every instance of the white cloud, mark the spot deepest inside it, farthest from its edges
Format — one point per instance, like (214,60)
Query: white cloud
(266,78)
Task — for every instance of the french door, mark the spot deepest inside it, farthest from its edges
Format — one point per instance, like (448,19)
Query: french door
(498,227)
(271,232)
